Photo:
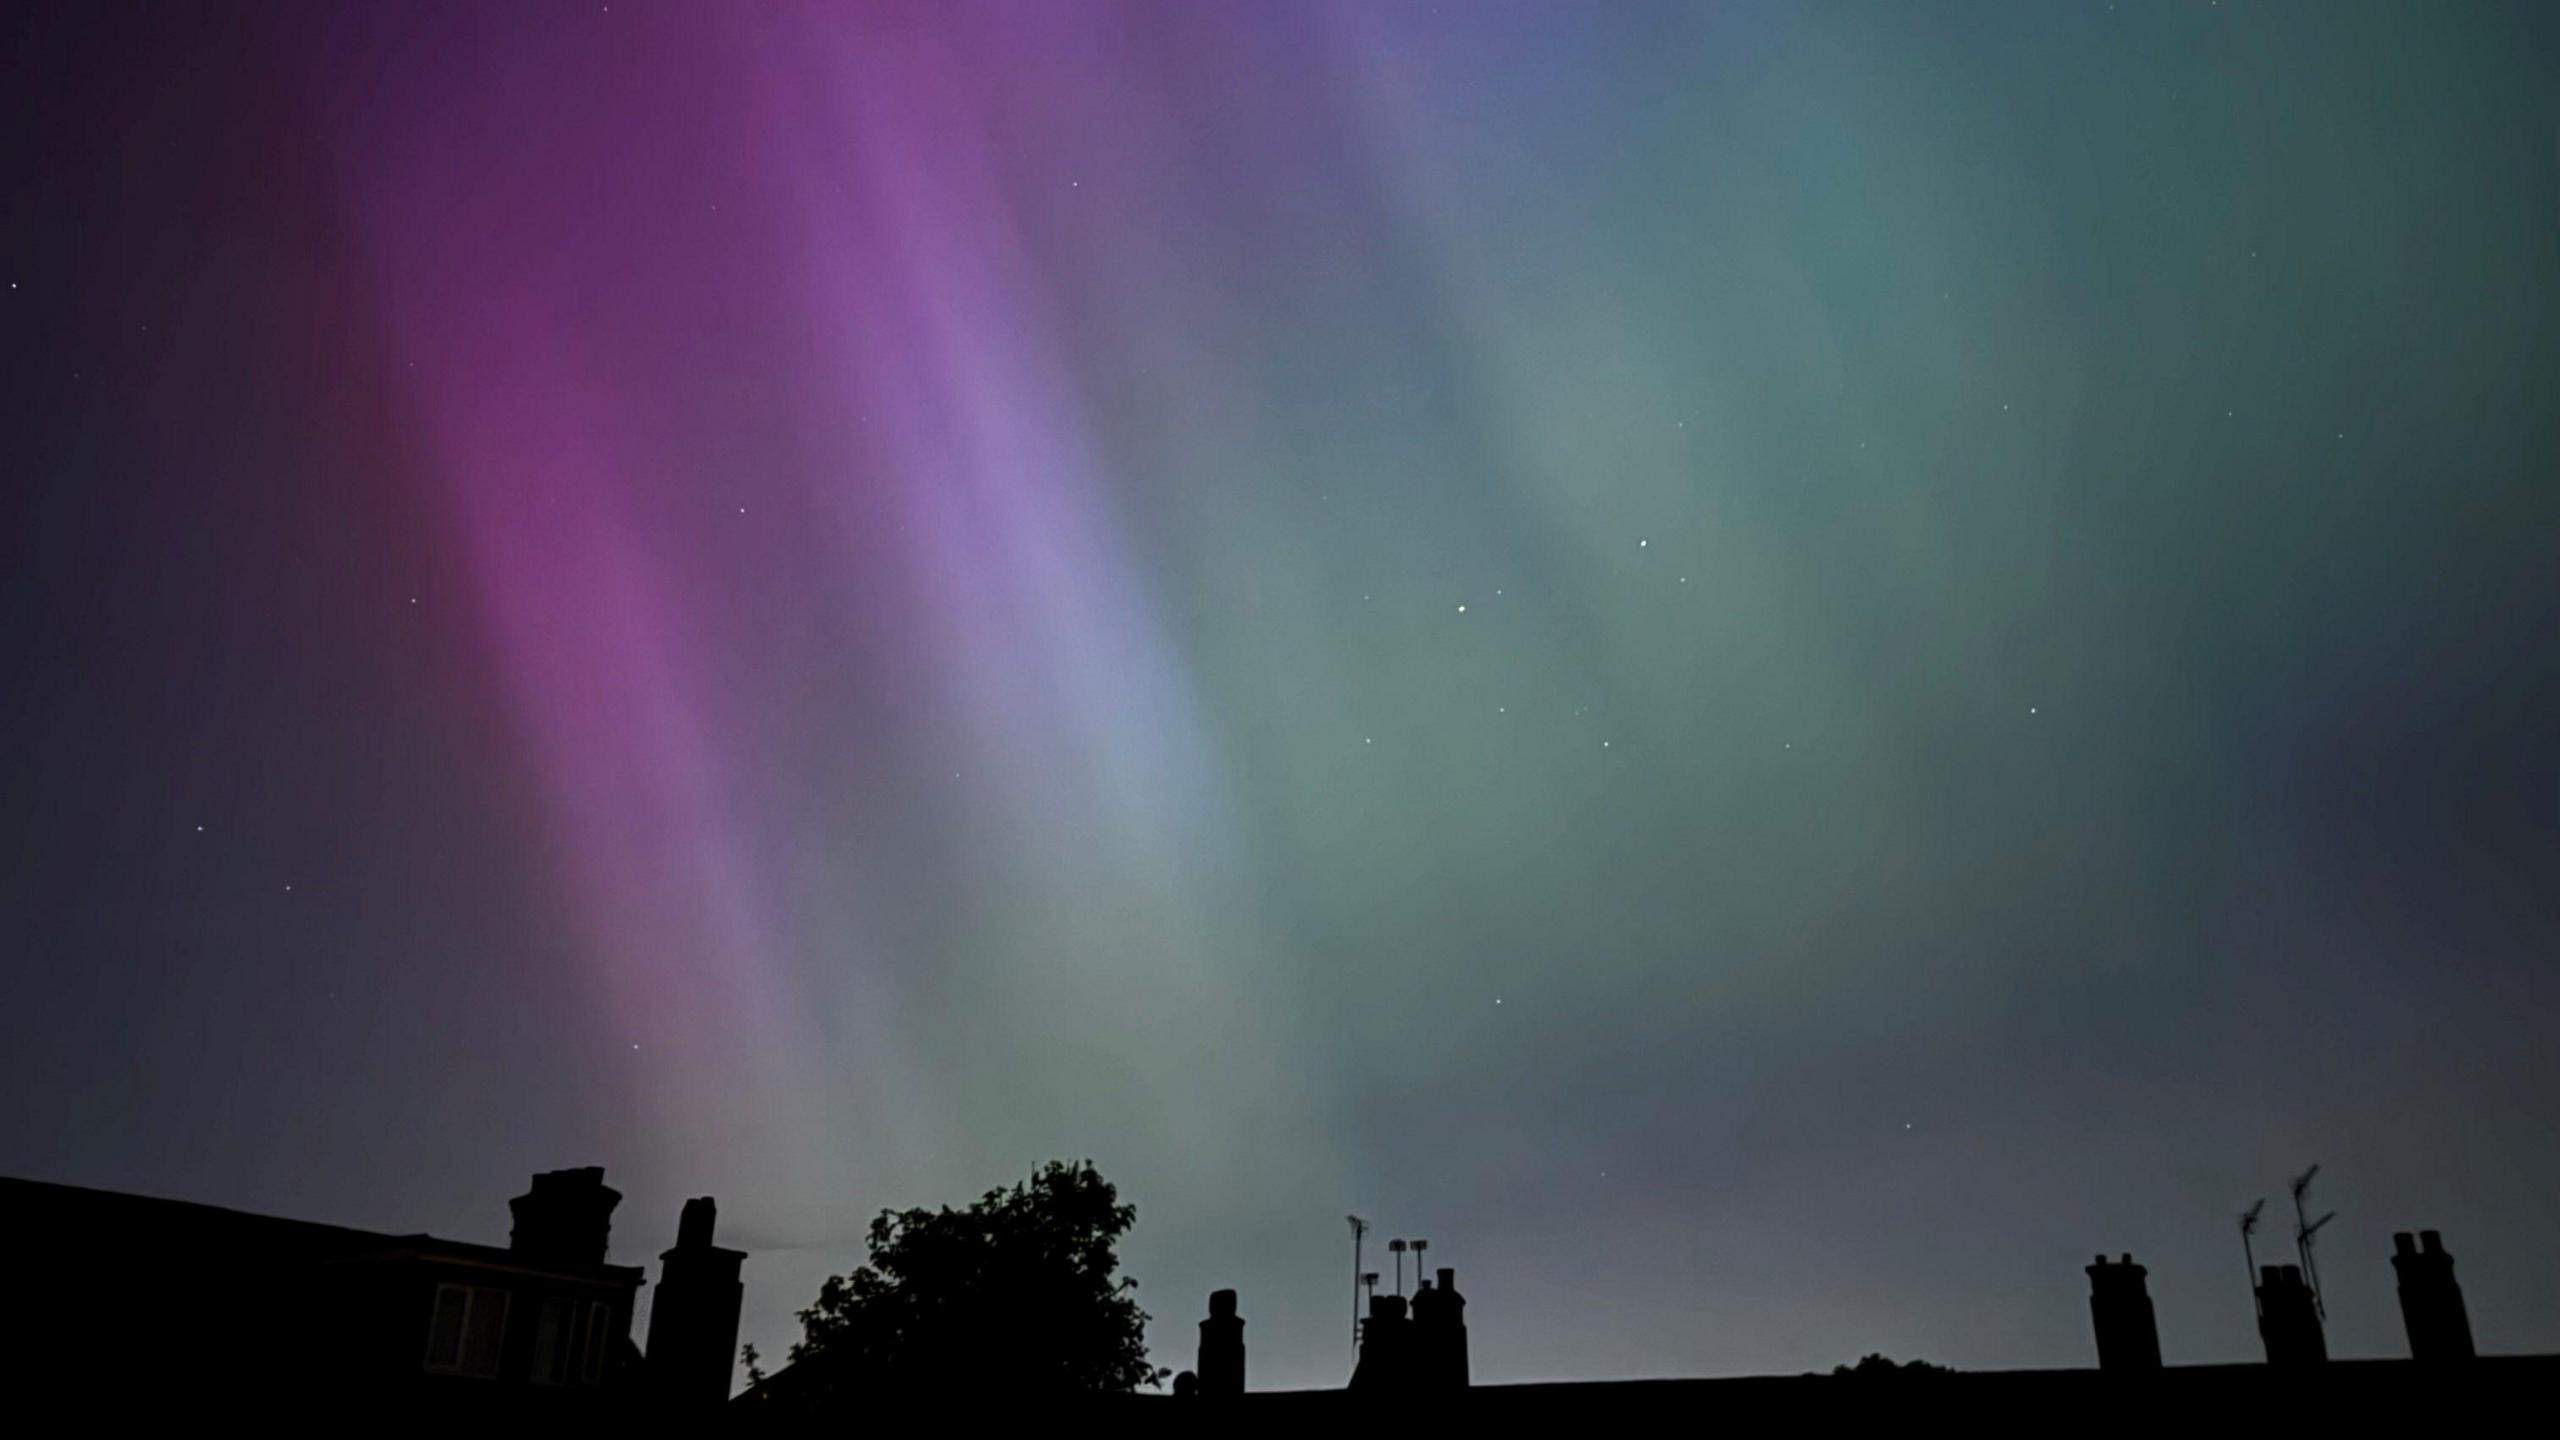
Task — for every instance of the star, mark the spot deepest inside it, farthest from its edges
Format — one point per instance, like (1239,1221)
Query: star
(199,829)
(2031,709)
(1641,544)
(1462,609)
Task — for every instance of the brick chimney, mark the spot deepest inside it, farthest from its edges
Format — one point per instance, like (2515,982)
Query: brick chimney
(566,1218)
(1222,1346)
(1385,1363)
(693,1326)
(2120,1307)
(2289,1318)
(2430,1298)
(1440,1333)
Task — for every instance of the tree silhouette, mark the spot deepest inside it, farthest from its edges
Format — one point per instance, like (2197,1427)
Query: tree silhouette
(1017,1292)
(1878,1367)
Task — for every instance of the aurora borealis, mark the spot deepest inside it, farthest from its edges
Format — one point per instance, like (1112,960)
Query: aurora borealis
(1771,667)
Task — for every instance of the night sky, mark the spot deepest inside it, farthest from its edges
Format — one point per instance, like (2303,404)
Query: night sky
(1773,668)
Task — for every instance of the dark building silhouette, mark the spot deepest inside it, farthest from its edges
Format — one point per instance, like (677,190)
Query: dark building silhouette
(2289,1317)
(2430,1298)
(1384,1363)
(133,1302)
(2120,1308)
(2347,1397)
(1423,1348)
(1222,1347)
(693,1325)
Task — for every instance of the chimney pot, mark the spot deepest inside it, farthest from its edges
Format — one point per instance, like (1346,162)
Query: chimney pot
(694,1225)
(566,1217)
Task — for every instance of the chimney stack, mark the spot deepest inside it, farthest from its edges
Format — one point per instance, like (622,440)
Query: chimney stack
(1385,1364)
(566,1218)
(1440,1334)
(693,1327)
(1222,1347)
(2431,1299)
(2288,1318)
(2120,1307)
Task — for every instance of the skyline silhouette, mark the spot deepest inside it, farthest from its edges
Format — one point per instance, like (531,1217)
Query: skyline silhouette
(951,1302)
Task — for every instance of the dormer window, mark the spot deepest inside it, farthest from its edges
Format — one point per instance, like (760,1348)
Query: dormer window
(465,1334)
(591,1362)
(552,1337)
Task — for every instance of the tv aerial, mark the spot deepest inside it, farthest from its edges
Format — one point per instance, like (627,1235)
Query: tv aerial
(2248,1252)
(2306,1231)
(1359,1233)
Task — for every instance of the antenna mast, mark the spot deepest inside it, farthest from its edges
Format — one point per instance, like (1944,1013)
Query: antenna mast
(2248,1252)
(1359,1233)
(2305,1231)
